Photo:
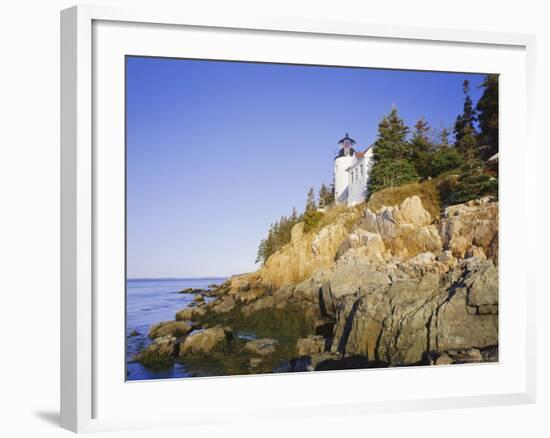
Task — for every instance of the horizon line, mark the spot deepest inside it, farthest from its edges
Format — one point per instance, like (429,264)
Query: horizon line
(210,277)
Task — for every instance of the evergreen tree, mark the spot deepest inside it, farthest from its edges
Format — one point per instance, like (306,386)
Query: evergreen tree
(487,108)
(278,235)
(466,120)
(465,133)
(444,159)
(310,202)
(326,195)
(421,147)
(311,216)
(392,155)
(444,138)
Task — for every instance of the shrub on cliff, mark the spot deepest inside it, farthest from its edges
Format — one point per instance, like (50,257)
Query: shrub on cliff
(463,188)
(427,191)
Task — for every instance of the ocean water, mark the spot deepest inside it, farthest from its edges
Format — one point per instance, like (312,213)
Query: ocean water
(147,303)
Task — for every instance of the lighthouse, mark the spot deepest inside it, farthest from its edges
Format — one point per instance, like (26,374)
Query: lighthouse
(343,160)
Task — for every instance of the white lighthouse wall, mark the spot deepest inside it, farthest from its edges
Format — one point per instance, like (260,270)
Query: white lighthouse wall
(341,165)
(358,177)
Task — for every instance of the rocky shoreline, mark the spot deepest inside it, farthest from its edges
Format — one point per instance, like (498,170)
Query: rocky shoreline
(397,288)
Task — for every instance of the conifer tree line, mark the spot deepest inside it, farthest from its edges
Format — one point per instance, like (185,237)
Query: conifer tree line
(279,231)
(403,156)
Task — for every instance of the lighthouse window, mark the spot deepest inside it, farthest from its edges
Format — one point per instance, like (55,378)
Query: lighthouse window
(362,170)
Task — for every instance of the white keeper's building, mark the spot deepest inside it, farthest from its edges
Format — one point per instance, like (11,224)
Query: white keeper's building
(351,172)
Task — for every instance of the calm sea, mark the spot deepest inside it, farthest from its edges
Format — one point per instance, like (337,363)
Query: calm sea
(149,302)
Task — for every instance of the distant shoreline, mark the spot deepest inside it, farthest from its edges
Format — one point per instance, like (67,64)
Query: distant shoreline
(177,278)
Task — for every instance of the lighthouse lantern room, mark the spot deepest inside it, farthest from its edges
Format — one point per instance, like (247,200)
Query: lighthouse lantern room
(343,160)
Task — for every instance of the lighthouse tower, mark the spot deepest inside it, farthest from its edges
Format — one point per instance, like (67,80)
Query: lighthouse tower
(343,160)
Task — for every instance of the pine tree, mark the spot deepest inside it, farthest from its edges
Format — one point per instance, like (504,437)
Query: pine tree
(487,108)
(421,147)
(311,216)
(465,133)
(392,138)
(444,138)
(326,195)
(392,155)
(310,202)
(468,117)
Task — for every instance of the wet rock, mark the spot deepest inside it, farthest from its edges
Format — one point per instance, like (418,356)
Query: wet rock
(250,295)
(255,362)
(170,328)
(191,290)
(262,347)
(190,313)
(310,345)
(159,354)
(227,304)
(261,304)
(444,359)
(206,342)
(470,355)
(134,333)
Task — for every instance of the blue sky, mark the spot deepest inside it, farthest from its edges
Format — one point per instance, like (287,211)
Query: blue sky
(216,151)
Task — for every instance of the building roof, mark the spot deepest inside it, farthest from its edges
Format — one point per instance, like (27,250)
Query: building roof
(347,137)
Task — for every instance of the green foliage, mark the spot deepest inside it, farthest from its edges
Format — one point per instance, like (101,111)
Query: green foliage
(443,160)
(471,181)
(421,148)
(487,108)
(393,165)
(392,139)
(311,218)
(310,202)
(278,235)
(326,195)
(444,138)
(391,174)
(286,325)
(465,122)
(467,145)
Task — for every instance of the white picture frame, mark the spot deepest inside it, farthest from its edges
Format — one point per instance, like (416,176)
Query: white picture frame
(82,273)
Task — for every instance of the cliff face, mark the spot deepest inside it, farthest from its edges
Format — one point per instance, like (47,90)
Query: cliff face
(306,253)
(400,288)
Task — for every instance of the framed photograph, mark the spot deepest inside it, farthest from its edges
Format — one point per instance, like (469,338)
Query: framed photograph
(291,218)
